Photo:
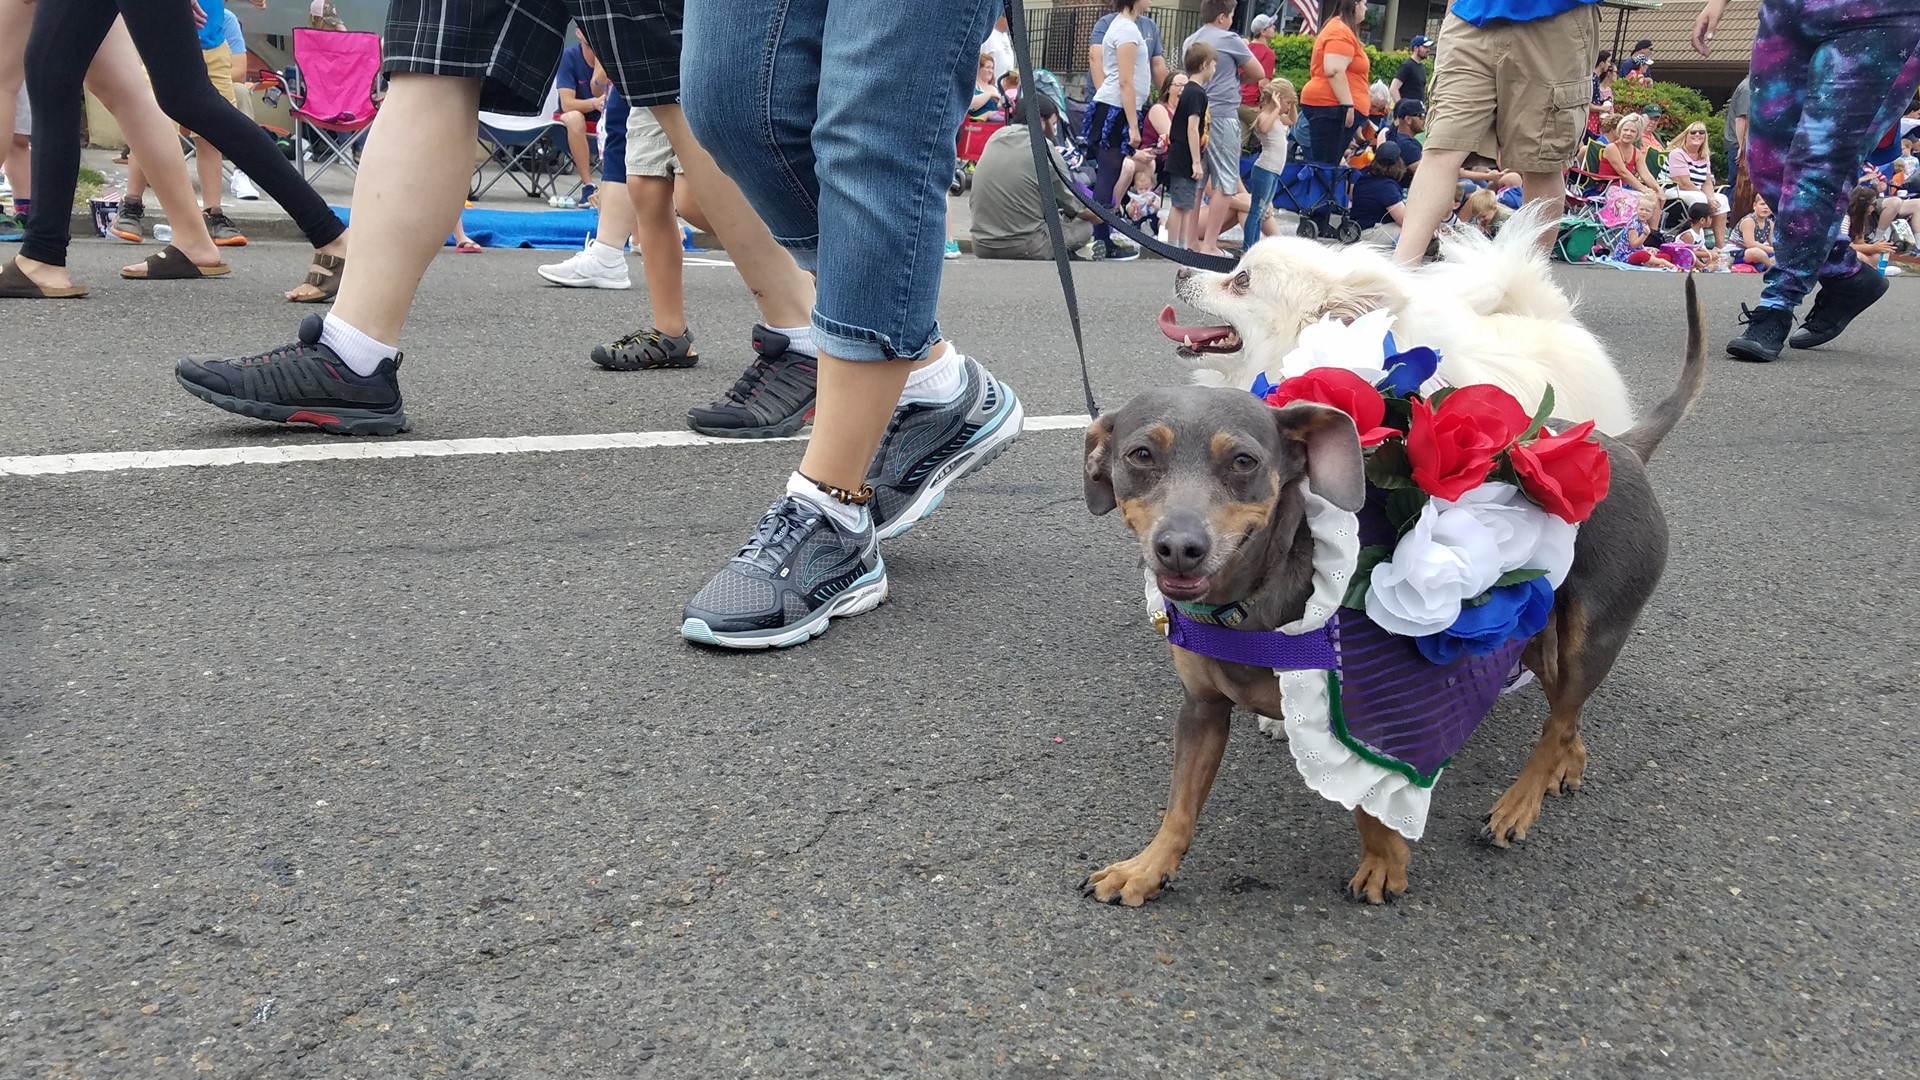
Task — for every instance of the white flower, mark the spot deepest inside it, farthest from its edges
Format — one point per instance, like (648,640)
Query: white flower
(1359,346)
(1447,557)
(1528,537)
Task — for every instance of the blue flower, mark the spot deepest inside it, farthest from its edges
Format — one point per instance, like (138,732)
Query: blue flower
(1407,370)
(1511,612)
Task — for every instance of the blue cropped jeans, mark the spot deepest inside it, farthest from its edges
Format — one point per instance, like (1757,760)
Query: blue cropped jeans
(837,119)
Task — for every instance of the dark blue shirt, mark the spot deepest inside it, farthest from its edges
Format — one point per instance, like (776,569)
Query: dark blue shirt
(1372,197)
(1410,148)
(575,73)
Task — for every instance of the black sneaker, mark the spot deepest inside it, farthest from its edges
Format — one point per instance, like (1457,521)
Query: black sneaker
(1765,334)
(221,227)
(645,349)
(773,397)
(1119,250)
(1838,302)
(798,571)
(302,383)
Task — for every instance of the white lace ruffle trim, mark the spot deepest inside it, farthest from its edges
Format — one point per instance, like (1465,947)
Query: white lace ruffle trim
(1328,766)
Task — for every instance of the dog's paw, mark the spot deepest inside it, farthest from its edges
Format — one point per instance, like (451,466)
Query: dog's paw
(1518,809)
(1133,882)
(1379,880)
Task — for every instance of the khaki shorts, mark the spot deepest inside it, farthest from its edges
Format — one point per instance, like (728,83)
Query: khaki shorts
(1516,92)
(648,151)
(220,70)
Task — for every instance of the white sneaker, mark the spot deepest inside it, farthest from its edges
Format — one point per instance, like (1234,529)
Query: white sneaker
(1892,271)
(242,187)
(585,271)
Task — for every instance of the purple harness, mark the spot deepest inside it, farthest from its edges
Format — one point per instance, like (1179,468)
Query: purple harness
(1390,704)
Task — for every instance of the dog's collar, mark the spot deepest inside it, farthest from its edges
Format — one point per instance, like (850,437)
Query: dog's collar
(1312,650)
(1228,615)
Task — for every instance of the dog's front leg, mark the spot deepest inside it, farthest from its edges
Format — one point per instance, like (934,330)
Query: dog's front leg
(1383,861)
(1199,741)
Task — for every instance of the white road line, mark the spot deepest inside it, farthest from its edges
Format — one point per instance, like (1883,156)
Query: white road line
(59,464)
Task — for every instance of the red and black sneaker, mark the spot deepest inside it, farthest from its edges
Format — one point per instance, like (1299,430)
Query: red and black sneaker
(302,383)
(772,398)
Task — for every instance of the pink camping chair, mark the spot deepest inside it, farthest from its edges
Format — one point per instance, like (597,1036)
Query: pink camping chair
(336,96)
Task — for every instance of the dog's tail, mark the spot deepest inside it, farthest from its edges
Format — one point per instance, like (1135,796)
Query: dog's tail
(1643,438)
(1506,275)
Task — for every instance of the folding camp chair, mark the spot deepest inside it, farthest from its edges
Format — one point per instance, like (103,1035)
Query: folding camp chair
(529,149)
(1587,192)
(335,97)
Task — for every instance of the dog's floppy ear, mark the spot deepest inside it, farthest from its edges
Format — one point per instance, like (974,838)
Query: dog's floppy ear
(1335,470)
(1365,285)
(1099,479)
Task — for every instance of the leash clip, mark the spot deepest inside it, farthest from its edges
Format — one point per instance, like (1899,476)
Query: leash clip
(1161,622)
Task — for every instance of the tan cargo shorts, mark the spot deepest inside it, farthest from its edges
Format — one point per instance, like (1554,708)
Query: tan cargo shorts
(1514,92)
(648,151)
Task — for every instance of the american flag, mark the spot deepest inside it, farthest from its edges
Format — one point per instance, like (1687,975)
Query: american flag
(1309,15)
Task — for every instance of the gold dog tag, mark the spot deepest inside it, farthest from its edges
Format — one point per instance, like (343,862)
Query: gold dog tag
(1161,623)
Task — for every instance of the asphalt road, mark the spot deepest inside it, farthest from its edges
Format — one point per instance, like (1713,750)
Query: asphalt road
(399,768)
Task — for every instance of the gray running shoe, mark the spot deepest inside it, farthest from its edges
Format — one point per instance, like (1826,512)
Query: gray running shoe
(221,227)
(799,570)
(130,222)
(928,447)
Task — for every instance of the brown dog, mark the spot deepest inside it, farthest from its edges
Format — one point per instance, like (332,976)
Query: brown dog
(1210,481)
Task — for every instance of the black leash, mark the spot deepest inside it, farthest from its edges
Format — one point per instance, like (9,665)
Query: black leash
(1044,168)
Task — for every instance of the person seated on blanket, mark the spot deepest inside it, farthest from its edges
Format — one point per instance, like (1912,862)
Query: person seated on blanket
(1485,172)
(1143,203)
(1860,230)
(988,104)
(1752,240)
(1697,237)
(1639,242)
(1378,197)
(1484,211)
(1009,209)
(1896,215)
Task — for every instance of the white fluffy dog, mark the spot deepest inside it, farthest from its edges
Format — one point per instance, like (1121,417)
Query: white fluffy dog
(1490,310)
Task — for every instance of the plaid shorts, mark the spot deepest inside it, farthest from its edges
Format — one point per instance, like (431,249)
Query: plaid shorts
(514,46)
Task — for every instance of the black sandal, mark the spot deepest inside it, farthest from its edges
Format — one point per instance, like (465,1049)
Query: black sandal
(172,264)
(323,274)
(646,350)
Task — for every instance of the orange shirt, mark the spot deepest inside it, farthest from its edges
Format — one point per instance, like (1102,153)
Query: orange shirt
(1338,38)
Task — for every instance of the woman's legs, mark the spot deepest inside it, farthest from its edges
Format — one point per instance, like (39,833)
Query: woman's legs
(59,48)
(163,31)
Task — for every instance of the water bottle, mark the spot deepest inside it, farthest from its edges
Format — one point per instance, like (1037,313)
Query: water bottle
(163,232)
(1883,264)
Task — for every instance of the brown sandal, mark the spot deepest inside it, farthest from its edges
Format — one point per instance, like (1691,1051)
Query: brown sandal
(323,275)
(172,264)
(16,285)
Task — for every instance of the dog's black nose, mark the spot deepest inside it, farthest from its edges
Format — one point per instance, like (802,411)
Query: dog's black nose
(1181,551)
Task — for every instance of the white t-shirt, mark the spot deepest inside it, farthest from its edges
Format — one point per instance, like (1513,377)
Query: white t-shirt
(999,45)
(1273,148)
(1118,34)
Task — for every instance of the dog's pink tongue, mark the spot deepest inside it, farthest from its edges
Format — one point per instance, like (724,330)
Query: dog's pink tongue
(1190,335)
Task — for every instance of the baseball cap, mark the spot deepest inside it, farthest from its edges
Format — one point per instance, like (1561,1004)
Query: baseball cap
(1419,40)
(1387,153)
(1261,23)
(1653,109)
(1409,107)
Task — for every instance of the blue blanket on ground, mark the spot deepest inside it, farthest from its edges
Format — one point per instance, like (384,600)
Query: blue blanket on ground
(562,230)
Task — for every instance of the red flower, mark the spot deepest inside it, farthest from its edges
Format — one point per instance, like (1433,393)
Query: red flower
(1566,473)
(1343,390)
(1452,448)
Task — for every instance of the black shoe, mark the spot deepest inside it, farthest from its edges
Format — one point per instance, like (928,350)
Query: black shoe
(1838,302)
(302,383)
(773,397)
(1765,334)
(646,349)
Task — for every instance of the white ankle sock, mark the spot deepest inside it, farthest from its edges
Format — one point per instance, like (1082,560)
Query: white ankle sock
(355,349)
(799,339)
(938,382)
(608,256)
(850,517)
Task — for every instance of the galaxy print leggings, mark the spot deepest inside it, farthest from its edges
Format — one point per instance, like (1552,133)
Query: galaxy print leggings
(1829,78)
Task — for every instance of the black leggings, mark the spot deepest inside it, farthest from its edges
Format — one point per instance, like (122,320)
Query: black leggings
(66,34)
